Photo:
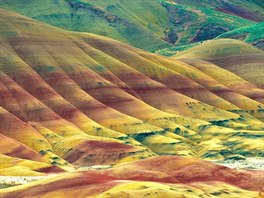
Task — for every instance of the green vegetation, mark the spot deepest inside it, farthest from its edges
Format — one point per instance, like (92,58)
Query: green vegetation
(149,25)
(80,2)
(196,24)
(43,152)
(175,49)
(248,9)
(252,34)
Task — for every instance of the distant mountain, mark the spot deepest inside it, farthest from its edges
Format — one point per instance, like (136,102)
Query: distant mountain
(149,25)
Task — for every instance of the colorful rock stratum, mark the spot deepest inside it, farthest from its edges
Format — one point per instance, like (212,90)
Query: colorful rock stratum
(84,115)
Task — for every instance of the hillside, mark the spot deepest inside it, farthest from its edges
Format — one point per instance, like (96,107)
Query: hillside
(144,178)
(233,55)
(248,9)
(72,100)
(149,25)
(251,34)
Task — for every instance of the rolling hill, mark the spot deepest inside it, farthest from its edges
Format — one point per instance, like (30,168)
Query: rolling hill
(72,100)
(251,34)
(149,25)
(175,177)
(233,55)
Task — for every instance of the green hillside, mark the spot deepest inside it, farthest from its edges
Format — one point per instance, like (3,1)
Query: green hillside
(79,15)
(150,25)
(170,51)
(252,34)
(248,9)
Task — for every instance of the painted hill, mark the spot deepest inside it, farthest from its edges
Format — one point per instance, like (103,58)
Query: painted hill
(150,25)
(73,100)
(233,55)
(170,177)
(83,95)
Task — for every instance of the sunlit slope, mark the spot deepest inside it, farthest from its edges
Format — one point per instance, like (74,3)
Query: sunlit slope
(178,76)
(18,159)
(158,177)
(86,99)
(232,81)
(236,56)
(13,166)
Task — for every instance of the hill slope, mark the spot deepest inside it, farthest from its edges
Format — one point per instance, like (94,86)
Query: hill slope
(233,55)
(251,10)
(72,100)
(89,89)
(150,25)
(252,34)
(154,177)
